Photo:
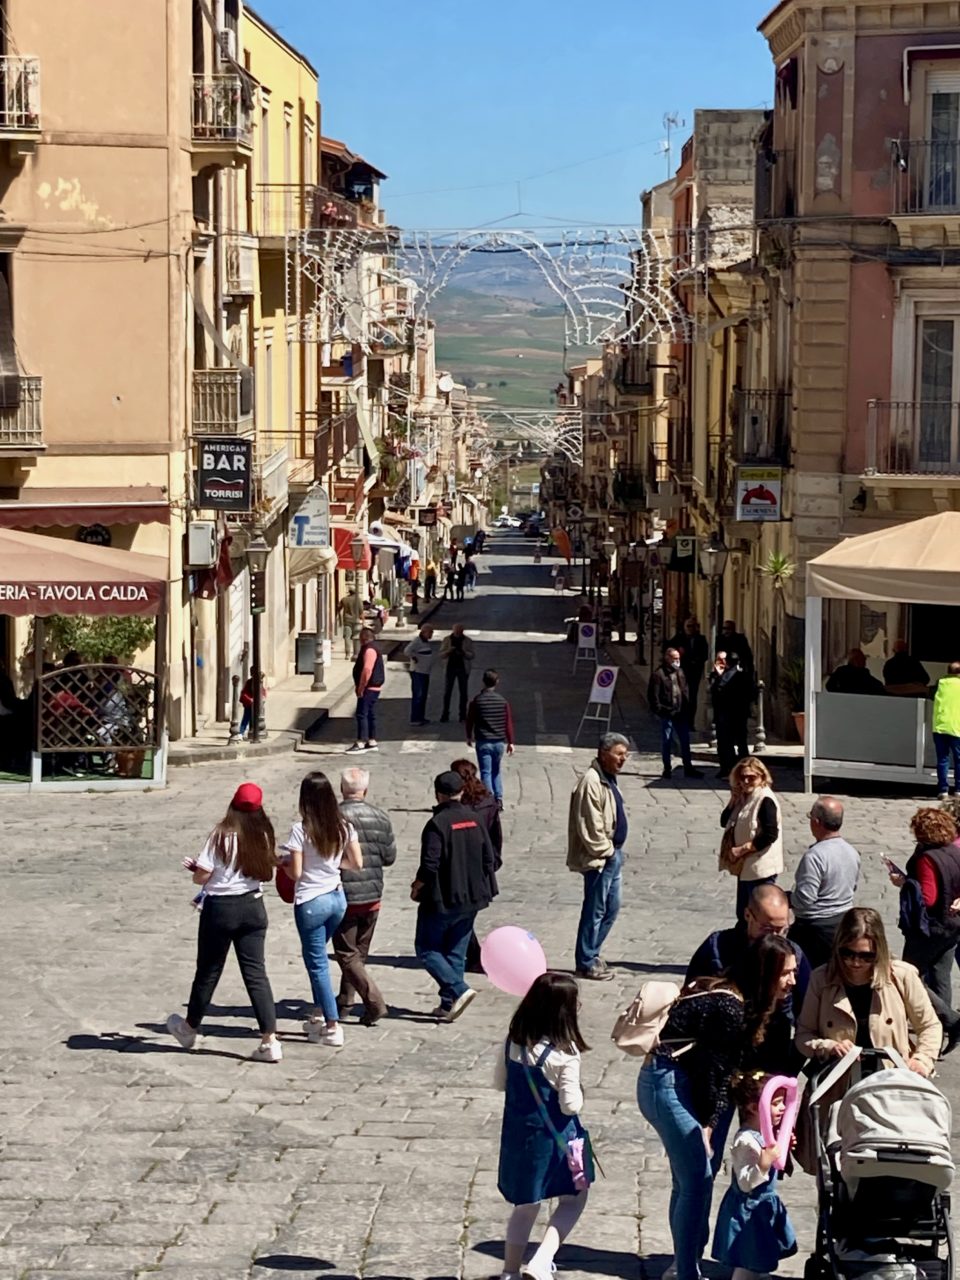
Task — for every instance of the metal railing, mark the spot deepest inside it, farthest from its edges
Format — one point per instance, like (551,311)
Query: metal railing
(222,402)
(22,427)
(761,425)
(926,176)
(19,94)
(219,112)
(913,437)
(282,207)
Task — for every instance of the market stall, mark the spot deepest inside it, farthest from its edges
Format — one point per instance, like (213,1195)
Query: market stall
(877,738)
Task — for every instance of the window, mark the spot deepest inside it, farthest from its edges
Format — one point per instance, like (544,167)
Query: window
(934,428)
(943,140)
(287,166)
(267,382)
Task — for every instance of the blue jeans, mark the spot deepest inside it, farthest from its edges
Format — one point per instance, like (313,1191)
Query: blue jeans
(601,906)
(245,720)
(948,748)
(317,921)
(441,943)
(489,757)
(419,688)
(367,716)
(670,725)
(663,1095)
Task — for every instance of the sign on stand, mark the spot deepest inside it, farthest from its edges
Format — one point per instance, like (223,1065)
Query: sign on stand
(599,708)
(586,645)
(310,525)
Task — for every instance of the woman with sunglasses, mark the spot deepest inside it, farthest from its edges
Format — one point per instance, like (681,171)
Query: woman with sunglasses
(863,997)
(752,844)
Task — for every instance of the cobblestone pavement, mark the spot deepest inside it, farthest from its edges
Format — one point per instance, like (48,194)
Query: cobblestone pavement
(122,1156)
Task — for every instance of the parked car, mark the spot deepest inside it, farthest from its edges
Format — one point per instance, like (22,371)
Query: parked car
(507,522)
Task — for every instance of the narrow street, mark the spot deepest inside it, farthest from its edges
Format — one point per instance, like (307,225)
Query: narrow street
(123,1156)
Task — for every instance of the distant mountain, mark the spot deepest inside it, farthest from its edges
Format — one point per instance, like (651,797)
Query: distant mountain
(505,275)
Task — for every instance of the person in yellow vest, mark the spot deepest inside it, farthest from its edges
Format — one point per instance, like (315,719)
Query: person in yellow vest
(946,729)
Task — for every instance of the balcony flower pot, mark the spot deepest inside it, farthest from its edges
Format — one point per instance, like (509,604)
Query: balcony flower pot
(800,724)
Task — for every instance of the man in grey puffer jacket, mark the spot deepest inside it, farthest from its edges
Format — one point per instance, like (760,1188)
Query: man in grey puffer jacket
(363,890)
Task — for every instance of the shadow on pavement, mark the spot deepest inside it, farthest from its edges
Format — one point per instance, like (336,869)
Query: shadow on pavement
(122,1042)
(597,1262)
(292,1262)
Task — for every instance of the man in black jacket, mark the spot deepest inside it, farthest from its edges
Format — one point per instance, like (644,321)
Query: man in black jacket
(363,890)
(694,652)
(669,701)
(455,879)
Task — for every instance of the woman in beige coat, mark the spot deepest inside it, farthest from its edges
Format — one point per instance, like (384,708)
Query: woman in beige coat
(752,846)
(863,997)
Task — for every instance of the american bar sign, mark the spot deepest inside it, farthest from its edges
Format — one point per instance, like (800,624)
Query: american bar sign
(224,475)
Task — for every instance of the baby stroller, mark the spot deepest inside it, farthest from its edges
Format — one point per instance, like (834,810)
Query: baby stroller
(884,1169)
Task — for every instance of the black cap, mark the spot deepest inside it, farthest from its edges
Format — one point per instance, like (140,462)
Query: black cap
(448,784)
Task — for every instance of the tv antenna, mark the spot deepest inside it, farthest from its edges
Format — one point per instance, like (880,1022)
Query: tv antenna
(671,120)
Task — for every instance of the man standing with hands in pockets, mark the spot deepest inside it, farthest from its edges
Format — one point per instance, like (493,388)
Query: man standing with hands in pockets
(421,653)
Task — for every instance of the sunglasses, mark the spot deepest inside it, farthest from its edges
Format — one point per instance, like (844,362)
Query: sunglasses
(857,957)
(749,777)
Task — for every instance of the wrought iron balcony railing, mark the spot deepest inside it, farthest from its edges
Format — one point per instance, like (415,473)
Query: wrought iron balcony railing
(220,114)
(926,176)
(222,402)
(19,95)
(913,438)
(21,428)
(721,473)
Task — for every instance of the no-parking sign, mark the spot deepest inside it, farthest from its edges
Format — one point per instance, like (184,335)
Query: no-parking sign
(604,683)
(587,636)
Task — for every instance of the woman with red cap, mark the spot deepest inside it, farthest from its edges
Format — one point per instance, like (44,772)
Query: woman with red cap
(237,860)
(318,844)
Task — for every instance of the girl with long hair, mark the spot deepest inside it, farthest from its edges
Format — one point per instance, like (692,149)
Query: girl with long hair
(539,1071)
(683,1087)
(318,845)
(234,864)
(478,797)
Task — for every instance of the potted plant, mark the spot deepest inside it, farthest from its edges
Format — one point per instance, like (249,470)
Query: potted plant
(793,686)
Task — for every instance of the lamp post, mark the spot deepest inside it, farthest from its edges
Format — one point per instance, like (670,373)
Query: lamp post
(257,553)
(319,675)
(713,563)
(640,552)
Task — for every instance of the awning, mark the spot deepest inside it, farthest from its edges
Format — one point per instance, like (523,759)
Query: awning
(342,537)
(62,508)
(40,576)
(912,563)
(304,563)
(382,537)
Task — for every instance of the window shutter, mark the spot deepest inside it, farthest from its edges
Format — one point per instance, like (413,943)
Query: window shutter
(943,82)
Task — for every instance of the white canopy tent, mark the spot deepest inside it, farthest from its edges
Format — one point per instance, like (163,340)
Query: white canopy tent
(887,739)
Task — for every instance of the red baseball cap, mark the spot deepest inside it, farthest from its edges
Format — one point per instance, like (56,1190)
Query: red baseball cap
(248,797)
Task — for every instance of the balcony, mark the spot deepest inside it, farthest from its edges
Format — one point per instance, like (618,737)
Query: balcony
(629,489)
(21,428)
(272,485)
(20,100)
(240,264)
(925,180)
(222,120)
(223,402)
(282,207)
(761,426)
(913,445)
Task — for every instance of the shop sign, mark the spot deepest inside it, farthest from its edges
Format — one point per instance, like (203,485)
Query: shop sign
(224,476)
(96,535)
(759,494)
(427,517)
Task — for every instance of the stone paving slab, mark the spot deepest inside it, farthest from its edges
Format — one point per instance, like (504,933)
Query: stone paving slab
(123,1157)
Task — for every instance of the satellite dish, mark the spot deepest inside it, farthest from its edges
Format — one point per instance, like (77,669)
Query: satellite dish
(445,383)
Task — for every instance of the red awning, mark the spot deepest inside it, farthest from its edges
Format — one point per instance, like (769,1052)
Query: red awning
(342,537)
(63,508)
(40,576)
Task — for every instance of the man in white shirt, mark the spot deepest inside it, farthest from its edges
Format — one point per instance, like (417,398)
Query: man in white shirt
(421,653)
(825,884)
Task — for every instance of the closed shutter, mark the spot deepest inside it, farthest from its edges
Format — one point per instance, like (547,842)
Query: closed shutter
(943,82)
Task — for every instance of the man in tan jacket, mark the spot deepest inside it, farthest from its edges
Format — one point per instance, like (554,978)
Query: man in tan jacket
(596,834)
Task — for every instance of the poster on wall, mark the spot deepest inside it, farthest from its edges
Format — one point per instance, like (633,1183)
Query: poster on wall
(759,494)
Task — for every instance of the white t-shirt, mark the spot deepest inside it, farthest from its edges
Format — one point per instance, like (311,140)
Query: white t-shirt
(319,875)
(745,1161)
(562,1071)
(226,880)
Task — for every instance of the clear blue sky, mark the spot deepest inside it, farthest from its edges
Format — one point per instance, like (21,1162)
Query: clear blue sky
(445,94)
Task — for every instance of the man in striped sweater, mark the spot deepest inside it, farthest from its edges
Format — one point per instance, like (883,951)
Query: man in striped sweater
(490,725)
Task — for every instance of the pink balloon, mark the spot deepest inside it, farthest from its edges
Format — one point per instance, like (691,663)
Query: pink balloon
(512,959)
(783,1135)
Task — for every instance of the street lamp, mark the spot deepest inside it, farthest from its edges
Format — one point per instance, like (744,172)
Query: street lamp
(257,554)
(713,563)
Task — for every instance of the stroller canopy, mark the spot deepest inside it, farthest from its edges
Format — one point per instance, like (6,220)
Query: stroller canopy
(895,1124)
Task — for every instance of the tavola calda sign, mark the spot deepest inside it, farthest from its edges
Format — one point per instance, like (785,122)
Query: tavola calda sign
(73,593)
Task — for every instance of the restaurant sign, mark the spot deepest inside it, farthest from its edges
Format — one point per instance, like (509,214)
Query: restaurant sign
(22,599)
(759,493)
(224,474)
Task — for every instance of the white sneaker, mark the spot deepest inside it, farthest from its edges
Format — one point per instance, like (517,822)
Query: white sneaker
(458,1006)
(536,1270)
(269,1052)
(332,1036)
(181,1030)
(314,1029)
